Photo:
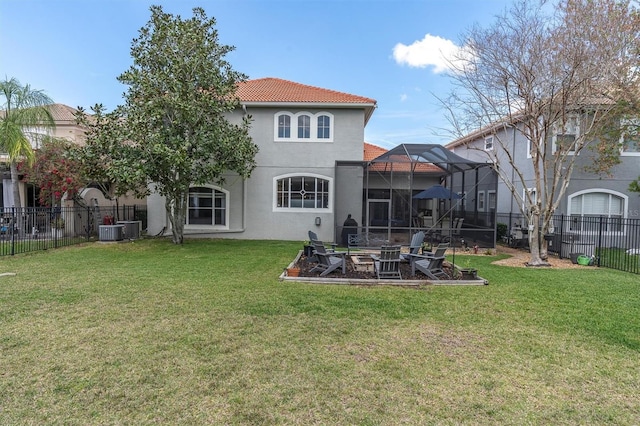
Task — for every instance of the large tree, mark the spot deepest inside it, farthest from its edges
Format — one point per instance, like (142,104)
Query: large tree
(173,131)
(24,118)
(537,70)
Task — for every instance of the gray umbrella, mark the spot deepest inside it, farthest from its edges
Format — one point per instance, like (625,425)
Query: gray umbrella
(437,191)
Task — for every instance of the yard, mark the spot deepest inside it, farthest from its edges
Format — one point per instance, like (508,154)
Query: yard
(148,332)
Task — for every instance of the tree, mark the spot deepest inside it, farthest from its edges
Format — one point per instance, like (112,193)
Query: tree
(538,69)
(24,115)
(55,171)
(173,130)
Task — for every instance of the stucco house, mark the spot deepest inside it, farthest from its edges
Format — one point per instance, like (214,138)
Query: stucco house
(313,170)
(302,133)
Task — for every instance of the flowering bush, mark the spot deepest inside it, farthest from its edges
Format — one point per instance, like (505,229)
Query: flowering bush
(55,171)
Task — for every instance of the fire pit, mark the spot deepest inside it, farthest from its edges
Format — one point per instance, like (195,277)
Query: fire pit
(362,263)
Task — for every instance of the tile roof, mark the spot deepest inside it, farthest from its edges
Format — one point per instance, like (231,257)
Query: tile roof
(61,112)
(283,91)
(372,151)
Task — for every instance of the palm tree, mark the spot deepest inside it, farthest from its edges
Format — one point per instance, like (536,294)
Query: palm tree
(24,112)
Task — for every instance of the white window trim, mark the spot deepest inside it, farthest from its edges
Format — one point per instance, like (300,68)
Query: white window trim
(274,192)
(294,126)
(201,227)
(489,193)
(488,143)
(572,127)
(482,199)
(628,153)
(625,207)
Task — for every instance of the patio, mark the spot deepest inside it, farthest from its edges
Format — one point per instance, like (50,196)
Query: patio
(359,271)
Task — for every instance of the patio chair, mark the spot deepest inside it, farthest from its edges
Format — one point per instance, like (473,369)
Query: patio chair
(431,266)
(440,250)
(328,261)
(314,237)
(387,265)
(414,246)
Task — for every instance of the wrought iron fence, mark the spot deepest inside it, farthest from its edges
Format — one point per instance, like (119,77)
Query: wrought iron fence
(32,229)
(613,242)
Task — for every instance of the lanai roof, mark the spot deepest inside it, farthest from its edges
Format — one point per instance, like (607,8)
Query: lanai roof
(434,154)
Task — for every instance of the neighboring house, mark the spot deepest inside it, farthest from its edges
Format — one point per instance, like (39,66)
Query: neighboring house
(588,195)
(302,132)
(66,128)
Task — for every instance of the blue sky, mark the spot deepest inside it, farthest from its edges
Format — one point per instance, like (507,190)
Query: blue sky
(385,50)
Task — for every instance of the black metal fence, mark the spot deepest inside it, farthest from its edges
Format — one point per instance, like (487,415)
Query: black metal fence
(613,242)
(32,229)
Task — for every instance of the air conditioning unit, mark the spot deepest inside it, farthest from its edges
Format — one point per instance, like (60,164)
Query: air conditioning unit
(131,228)
(111,232)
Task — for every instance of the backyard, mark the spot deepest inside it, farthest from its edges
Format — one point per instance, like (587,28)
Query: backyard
(147,332)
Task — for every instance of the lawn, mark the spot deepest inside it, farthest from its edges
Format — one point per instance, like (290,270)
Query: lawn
(152,333)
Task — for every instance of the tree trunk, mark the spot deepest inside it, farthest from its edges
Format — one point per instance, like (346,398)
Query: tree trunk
(177,210)
(534,241)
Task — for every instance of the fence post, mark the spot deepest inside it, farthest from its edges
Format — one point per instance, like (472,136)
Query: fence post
(88,226)
(13,233)
(561,234)
(597,248)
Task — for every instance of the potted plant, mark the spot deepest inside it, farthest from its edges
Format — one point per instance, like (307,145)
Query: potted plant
(468,273)
(293,271)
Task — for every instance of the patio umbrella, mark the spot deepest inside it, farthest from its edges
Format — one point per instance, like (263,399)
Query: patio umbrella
(437,191)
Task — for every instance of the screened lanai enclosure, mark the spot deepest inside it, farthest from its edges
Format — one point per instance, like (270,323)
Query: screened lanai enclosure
(425,187)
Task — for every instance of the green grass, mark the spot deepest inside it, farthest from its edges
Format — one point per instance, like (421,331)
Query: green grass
(151,333)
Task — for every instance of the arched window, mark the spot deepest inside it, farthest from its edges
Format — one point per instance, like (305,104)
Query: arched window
(207,207)
(589,204)
(324,127)
(302,192)
(284,126)
(303,127)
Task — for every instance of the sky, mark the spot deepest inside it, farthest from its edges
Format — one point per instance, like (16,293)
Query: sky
(388,50)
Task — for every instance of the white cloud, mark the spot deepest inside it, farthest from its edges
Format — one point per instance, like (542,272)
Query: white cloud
(433,51)
(403,97)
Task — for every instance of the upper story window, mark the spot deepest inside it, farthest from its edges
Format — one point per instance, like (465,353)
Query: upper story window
(302,192)
(563,137)
(630,137)
(488,143)
(307,127)
(284,126)
(207,207)
(324,127)
(304,127)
